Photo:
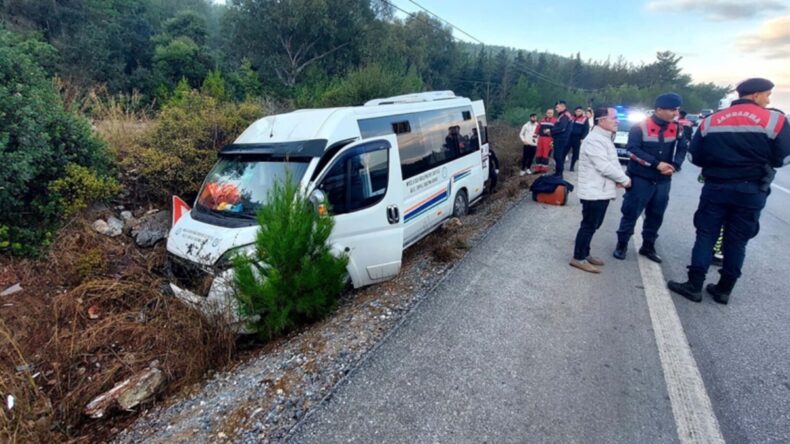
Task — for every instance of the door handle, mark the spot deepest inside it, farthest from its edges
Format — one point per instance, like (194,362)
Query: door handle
(393,215)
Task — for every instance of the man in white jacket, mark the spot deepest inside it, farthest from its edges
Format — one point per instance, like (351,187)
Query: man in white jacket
(600,174)
(529,137)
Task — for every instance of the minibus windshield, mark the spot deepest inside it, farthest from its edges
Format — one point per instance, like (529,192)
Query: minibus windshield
(238,186)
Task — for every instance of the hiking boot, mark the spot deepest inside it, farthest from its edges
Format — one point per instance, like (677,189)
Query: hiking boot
(648,250)
(722,290)
(619,250)
(584,265)
(691,289)
(598,262)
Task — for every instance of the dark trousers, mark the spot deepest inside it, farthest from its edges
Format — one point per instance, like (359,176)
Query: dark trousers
(723,205)
(650,197)
(593,213)
(527,154)
(560,151)
(575,146)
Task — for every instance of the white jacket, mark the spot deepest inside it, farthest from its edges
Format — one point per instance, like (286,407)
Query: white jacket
(528,133)
(599,169)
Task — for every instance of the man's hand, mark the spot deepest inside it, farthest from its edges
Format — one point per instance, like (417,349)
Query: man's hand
(665,168)
(624,184)
(546,131)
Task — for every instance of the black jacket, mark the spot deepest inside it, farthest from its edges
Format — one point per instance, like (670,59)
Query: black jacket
(742,143)
(561,131)
(653,141)
(579,127)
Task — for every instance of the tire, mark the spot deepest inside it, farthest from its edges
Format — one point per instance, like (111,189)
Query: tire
(460,204)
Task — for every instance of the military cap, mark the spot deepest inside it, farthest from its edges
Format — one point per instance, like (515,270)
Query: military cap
(669,101)
(754,85)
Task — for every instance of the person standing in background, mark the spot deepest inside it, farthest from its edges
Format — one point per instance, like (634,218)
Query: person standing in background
(579,129)
(561,134)
(529,137)
(545,141)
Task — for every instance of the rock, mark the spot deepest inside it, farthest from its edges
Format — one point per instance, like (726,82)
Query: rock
(151,228)
(116,225)
(128,394)
(16,288)
(126,215)
(112,227)
(144,387)
(100,226)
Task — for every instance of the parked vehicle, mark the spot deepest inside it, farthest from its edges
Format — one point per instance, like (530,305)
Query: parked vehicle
(627,118)
(392,171)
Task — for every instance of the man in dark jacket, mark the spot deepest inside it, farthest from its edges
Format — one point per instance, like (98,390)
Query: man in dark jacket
(657,150)
(579,129)
(738,149)
(561,133)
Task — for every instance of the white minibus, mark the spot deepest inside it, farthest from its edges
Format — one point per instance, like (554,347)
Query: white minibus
(392,171)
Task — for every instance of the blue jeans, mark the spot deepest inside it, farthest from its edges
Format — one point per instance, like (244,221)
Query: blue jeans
(593,213)
(650,197)
(737,208)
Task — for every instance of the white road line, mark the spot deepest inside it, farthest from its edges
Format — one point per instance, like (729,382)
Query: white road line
(694,417)
(780,188)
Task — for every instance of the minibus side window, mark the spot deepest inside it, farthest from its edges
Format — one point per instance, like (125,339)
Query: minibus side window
(358,179)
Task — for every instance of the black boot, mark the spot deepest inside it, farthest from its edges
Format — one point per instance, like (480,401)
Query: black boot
(691,289)
(648,250)
(721,291)
(619,250)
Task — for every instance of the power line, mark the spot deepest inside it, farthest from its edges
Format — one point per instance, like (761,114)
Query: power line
(522,69)
(414,16)
(452,25)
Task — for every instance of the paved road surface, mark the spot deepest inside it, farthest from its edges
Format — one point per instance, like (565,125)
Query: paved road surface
(516,346)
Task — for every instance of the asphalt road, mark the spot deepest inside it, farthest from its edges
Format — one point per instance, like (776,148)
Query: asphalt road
(516,346)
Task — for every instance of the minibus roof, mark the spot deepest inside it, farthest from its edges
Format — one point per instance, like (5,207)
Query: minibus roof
(334,124)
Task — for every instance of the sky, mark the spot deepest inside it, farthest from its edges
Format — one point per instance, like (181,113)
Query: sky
(721,41)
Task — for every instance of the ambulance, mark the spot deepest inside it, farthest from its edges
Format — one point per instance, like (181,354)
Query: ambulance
(391,170)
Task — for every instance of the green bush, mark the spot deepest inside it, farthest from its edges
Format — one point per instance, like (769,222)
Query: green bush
(301,279)
(38,140)
(80,187)
(184,141)
(372,81)
(519,116)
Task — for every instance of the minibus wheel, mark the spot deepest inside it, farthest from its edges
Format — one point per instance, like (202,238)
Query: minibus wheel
(461,204)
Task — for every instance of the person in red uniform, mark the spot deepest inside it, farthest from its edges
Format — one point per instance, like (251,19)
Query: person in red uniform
(544,141)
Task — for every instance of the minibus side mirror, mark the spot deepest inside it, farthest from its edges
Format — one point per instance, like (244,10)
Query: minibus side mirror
(318,199)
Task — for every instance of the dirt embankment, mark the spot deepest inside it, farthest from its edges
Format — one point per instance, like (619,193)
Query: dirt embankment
(91,314)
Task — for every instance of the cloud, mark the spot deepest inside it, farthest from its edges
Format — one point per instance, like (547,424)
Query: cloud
(771,40)
(718,10)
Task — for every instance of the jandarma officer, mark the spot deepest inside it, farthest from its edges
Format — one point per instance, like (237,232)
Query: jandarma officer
(657,149)
(738,149)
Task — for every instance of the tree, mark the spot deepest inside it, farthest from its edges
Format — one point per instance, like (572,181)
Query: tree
(180,58)
(292,276)
(39,140)
(287,37)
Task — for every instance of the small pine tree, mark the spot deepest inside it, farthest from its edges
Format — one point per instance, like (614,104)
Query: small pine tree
(214,85)
(292,277)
